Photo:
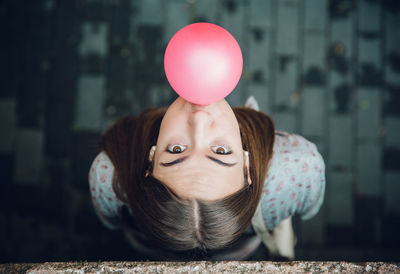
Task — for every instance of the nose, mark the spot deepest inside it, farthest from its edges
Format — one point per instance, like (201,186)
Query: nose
(200,123)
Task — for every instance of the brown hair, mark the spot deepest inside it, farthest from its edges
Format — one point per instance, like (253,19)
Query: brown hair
(156,212)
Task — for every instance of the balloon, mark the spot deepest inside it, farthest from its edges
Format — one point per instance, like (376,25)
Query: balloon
(203,63)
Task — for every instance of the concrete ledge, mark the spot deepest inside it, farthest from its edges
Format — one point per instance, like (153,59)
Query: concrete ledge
(203,267)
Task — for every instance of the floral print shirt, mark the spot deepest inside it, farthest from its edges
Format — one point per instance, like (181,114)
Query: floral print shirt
(295,183)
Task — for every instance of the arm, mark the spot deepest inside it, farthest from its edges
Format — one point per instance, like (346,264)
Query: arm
(105,202)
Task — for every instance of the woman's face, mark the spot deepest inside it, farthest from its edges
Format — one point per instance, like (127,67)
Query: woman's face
(199,151)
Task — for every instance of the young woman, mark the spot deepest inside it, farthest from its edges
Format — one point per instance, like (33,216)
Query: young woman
(192,179)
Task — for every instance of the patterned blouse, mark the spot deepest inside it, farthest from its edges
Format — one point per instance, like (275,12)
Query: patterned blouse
(295,183)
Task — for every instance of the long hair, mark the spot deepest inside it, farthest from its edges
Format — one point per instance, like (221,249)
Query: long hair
(159,215)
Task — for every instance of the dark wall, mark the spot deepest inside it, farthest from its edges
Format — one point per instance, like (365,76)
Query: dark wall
(326,69)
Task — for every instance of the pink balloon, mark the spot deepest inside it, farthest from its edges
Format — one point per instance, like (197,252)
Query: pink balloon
(203,63)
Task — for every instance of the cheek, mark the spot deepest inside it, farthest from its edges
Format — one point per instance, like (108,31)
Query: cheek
(231,128)
(231,122)
(171,126)
(234,181)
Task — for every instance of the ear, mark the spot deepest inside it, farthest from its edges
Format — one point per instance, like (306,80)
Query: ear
(151,157)
(246,159)
(152,152)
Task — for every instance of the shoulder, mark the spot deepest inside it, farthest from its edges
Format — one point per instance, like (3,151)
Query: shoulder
(295,157)
(105,202)
(101,171)
(296,180)
(293,148)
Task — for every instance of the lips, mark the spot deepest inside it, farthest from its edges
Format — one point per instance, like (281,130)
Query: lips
(198,108)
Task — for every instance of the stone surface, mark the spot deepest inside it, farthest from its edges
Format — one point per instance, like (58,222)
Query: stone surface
(392,191)
(286,122)
(368,113)
(176,17)
(94,39)
(28,155)
(369,51)
(392,38)
(392,42)
(342,30)
(287,28)
(260,13)
(207,10)
(313,109)
(258,62)
(314,51)
(340,142)
(369,15)
(151,12)
(286,81)
(8,121)
(339,194)
(263,96)
(368,220)
(232,18)
(315,15)
(369,169)
(312,232)
(340,95)
(90,102)
(392,126)
(203,267)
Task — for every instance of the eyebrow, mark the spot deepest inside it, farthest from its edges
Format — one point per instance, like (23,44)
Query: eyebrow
(182,159)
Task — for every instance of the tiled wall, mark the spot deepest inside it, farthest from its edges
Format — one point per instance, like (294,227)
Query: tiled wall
(326,69)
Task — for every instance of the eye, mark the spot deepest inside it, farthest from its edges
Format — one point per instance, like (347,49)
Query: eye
(222,150)
(175,149)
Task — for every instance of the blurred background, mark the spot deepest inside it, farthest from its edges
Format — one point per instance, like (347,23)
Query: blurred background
(326,69)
